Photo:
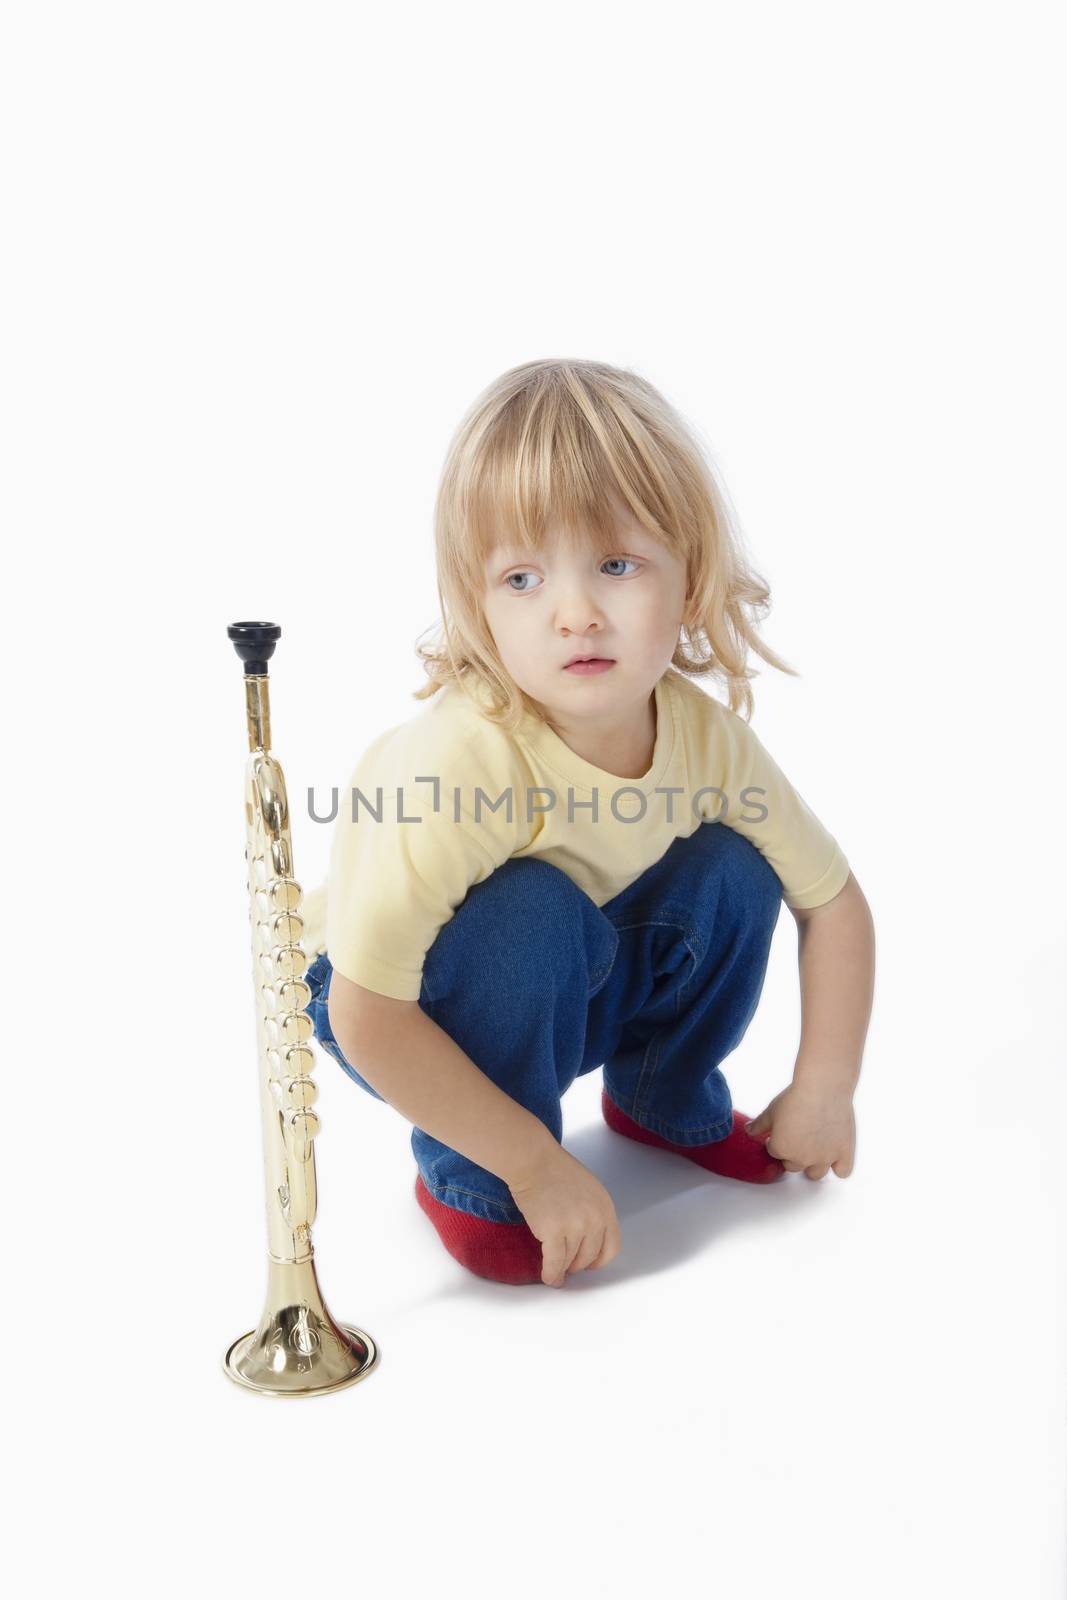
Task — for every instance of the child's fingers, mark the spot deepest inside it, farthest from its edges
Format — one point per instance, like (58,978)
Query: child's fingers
(816,1172)
(611,1246)
(591,1251)
(843,1167)
(554,1259)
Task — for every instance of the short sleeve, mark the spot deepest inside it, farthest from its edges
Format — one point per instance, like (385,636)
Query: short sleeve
(394,883)
(763,805)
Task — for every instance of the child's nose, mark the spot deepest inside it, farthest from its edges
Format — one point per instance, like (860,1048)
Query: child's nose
(577,612)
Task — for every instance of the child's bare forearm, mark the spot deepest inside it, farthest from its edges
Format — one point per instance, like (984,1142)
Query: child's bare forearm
(836,958)
(421,1071)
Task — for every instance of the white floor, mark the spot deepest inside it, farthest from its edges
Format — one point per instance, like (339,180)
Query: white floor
(828,1387)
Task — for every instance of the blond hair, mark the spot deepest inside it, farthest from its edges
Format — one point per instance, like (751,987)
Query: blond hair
(558,442)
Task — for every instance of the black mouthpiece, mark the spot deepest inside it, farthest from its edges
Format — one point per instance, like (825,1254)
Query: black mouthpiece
(254,643)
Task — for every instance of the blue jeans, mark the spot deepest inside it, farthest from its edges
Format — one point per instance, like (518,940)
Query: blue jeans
(539,986)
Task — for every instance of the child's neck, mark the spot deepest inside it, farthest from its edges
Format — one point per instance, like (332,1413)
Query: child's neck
(624,749)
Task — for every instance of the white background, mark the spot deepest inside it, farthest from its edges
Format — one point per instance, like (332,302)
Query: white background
(259,259)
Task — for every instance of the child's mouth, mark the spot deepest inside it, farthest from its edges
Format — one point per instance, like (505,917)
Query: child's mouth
(585,668)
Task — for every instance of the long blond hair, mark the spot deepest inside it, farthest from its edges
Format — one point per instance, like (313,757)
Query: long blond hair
(557,442)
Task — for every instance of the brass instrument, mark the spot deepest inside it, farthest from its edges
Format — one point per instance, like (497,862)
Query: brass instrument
(298,1348)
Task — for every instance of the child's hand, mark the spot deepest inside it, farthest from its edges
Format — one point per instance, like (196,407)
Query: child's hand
(809,1130)
(568,1208)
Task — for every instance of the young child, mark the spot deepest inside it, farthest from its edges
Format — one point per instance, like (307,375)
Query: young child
(574,856)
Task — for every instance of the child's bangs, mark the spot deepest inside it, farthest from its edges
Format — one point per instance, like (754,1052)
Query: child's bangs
(552,481)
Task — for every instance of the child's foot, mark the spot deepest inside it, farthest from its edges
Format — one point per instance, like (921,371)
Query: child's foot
(736,1156)
(505,1251)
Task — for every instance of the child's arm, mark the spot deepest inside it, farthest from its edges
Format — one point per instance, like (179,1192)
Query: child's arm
(420,1070)
(810,1125)
(836,956)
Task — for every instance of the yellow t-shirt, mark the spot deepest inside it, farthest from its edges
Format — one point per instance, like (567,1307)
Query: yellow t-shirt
(393,883)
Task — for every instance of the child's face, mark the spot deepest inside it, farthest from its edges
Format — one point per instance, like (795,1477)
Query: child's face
(543,610)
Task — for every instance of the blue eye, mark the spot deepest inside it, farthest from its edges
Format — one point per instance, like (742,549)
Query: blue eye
(611,560)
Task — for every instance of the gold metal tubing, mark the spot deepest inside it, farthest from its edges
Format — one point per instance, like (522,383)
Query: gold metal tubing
(297,1348)
(257,710)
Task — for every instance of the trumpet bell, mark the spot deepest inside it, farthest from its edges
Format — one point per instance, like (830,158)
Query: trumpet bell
(298,1348)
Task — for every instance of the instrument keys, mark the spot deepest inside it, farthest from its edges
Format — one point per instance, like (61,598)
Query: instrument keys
(299,1093)
(294,994)
(299,1061)
(305,1125)
(287,928)
(292,1027)
(284,894)
(290,960)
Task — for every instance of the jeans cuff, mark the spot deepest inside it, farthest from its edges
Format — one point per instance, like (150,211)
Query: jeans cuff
(711,1133)
(474,1205)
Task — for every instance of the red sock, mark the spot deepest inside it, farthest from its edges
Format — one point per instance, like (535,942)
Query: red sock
(736,1156)
(505,1251)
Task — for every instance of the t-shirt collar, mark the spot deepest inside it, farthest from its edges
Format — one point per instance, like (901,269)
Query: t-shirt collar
(582,774)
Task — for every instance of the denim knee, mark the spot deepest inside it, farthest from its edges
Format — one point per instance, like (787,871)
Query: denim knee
(747,884)
(749,879)
(520,929)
